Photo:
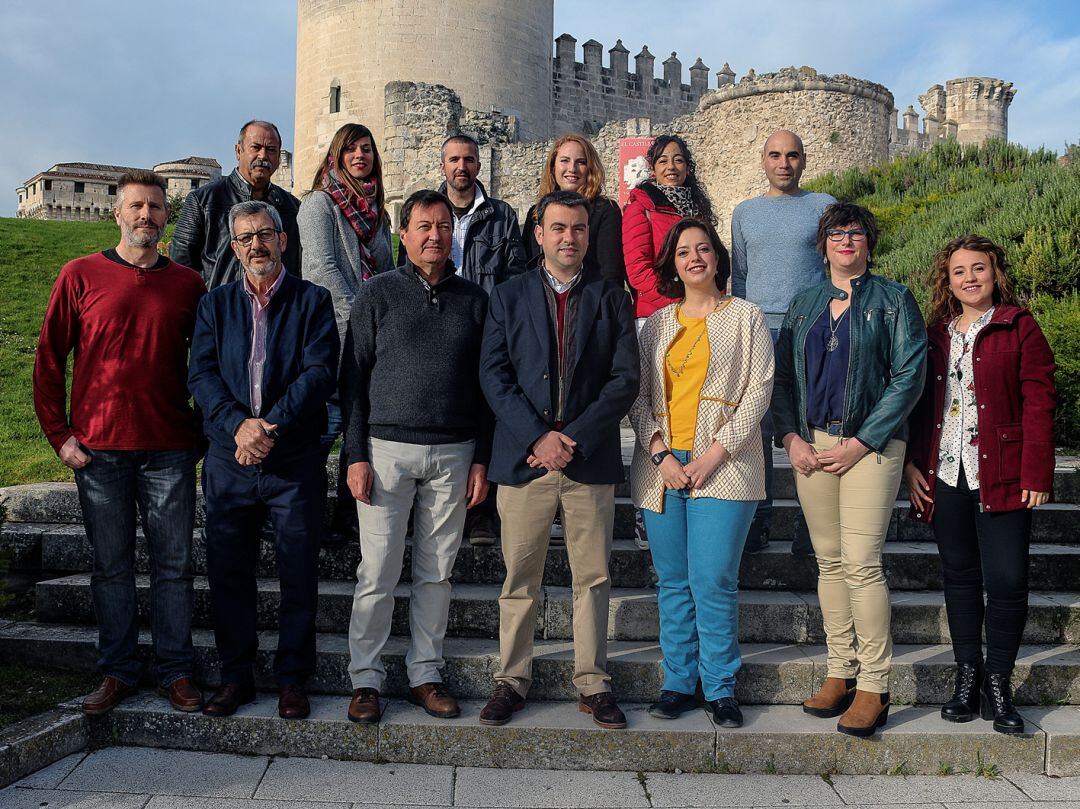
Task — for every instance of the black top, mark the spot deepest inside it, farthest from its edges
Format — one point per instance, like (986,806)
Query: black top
(826,371)
(411,365)
(113,256)
(605,253)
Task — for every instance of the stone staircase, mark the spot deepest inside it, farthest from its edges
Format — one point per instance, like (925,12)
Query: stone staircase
(780,630)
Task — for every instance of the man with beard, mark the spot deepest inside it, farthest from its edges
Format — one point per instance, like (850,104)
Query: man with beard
(263,363)
(201,239)
(128,315)
(486,250)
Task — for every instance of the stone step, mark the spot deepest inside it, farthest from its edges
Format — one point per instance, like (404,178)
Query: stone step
(52,548)
(764,616)
(58,503)
(774,739)
(771,673)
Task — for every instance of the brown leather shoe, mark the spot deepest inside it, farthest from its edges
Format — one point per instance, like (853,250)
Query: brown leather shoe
(435,699)
(502,705)
(107,696)
(293,702)
(605,711)
(832,699)
(365,707)
(868,712)
(183,695)
(228,698)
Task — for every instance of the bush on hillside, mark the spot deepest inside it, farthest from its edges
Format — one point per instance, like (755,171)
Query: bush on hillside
(1025,200)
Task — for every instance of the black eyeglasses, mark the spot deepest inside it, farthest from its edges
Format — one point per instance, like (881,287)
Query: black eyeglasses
(264,235)
(837,235)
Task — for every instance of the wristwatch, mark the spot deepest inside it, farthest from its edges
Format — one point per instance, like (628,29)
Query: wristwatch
(658,458)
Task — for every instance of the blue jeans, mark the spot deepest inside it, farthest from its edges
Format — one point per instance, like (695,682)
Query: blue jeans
(161,485)
(335,426)
(696,545)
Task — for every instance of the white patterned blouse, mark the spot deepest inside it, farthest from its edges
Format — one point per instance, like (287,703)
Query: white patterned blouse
(960,421)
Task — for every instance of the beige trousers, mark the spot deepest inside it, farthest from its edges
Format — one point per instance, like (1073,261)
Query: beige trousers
(526,512)
(848,518)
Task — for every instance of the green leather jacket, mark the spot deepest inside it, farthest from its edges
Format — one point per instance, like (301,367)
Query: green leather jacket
(885,370)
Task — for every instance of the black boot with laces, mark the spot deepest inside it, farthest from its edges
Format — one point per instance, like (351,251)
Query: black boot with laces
(965,699)
(996,704)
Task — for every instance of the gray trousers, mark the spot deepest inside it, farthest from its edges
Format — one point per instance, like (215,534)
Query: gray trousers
(430,481)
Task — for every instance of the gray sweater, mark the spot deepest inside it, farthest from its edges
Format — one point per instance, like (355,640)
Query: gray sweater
(774,253)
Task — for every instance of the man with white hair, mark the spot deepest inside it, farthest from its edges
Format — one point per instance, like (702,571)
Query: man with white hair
(128,314)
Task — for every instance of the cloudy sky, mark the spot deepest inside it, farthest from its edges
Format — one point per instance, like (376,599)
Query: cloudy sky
(136,83)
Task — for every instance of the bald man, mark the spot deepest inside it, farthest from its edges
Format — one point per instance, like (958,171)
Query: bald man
(774,257)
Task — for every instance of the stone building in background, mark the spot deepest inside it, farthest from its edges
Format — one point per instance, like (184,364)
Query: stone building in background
(88,190)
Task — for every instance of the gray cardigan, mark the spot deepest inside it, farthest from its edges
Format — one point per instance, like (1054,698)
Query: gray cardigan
(331,252)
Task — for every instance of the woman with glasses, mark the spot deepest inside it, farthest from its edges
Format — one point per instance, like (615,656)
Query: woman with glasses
(698,468)
(573,165)
(345,236)
(849,369)
(980,458)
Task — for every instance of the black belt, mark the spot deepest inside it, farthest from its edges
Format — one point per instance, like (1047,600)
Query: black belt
(834,428)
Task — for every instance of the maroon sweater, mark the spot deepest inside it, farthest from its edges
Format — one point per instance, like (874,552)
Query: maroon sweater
(130,330)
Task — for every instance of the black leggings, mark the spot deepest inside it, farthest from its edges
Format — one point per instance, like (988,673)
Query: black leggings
(977,547)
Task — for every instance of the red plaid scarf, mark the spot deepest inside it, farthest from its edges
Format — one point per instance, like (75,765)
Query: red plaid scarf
(362,215)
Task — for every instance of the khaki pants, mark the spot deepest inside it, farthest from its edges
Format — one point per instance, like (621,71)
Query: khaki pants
(848,518)
(526,512)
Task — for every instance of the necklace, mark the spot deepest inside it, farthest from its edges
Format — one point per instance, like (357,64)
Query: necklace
(682,368)
(834,343)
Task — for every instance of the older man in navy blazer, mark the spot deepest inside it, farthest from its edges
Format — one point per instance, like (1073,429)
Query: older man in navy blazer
(559,367)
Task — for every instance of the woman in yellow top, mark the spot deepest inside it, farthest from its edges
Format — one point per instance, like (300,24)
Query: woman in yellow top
(698,468)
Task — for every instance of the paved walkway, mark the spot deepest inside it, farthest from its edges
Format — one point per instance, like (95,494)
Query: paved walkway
(133,778)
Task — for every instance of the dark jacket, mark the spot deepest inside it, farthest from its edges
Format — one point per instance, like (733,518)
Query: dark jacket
(201,238)
(300,373)
(605,253)
(410,371)
(492,244)
(519,370)
(886,366)
(1014,385)
(646,220)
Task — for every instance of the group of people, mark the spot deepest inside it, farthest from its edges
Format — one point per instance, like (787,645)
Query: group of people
(481,377)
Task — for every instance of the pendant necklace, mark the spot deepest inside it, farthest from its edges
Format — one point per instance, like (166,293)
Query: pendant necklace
(834,343)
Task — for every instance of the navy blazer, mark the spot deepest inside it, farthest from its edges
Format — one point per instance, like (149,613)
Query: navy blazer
(300,372)
(519,360)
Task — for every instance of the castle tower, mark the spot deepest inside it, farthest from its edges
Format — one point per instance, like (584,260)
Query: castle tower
(492,53)
(980,108)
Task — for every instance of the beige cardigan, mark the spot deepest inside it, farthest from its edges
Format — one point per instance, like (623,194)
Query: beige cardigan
(734,398)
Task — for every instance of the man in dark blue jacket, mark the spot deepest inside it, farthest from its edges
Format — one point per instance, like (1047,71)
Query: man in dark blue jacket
(559,367)
(263,363)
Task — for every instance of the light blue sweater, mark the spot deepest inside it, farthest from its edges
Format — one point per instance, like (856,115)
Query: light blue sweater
(774,253)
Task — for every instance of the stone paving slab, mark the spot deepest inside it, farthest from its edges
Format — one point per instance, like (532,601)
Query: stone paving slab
(694,790)
(482,787)
(1041,788)
(1062,726)
(50,777)
(15,797)
(184,802)
(147,771)
(39,740)
(890,789)
(363,783)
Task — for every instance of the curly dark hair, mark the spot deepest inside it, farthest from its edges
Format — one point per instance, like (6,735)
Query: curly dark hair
(697,191)
(840,214)
(943,304)
(668,282)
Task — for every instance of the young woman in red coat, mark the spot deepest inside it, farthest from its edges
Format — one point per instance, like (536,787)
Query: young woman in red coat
(653,208)
(980,458)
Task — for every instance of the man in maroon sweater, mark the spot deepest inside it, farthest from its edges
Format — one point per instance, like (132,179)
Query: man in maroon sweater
(128,314)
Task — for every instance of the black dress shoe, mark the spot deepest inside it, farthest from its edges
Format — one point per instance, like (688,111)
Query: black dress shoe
(293,702)
(604,709)
(996,703)
(228,698)
(502,705)
(965,699)
(726,712)
(672,705)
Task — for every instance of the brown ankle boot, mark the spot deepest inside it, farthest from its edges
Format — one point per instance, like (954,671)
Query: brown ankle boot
(832,700)
(868,712)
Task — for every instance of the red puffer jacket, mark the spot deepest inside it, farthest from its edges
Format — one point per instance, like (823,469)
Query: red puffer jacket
(1014,386)
(647,218)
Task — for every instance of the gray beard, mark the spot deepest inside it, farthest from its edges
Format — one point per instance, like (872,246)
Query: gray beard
(139,240)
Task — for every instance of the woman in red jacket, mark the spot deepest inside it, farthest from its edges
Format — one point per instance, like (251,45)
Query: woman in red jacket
(653,208)
(980,458)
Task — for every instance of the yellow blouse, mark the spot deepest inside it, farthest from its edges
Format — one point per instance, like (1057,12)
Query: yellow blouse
(685,366)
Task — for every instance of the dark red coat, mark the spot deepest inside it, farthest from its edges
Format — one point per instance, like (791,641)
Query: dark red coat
(1014,385)
(647,218)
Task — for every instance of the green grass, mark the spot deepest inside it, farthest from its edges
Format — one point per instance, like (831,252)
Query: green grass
(28,690)
(31,255)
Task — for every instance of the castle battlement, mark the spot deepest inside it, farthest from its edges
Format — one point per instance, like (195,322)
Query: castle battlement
(791,79)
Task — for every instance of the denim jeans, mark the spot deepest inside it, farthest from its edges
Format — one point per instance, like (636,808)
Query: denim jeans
(696,545)
(161,484)
(335,426)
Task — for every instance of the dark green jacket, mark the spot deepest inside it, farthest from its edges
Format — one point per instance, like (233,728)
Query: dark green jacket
(885,371)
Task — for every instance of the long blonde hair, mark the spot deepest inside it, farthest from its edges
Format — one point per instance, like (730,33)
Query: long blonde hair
(594,186)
